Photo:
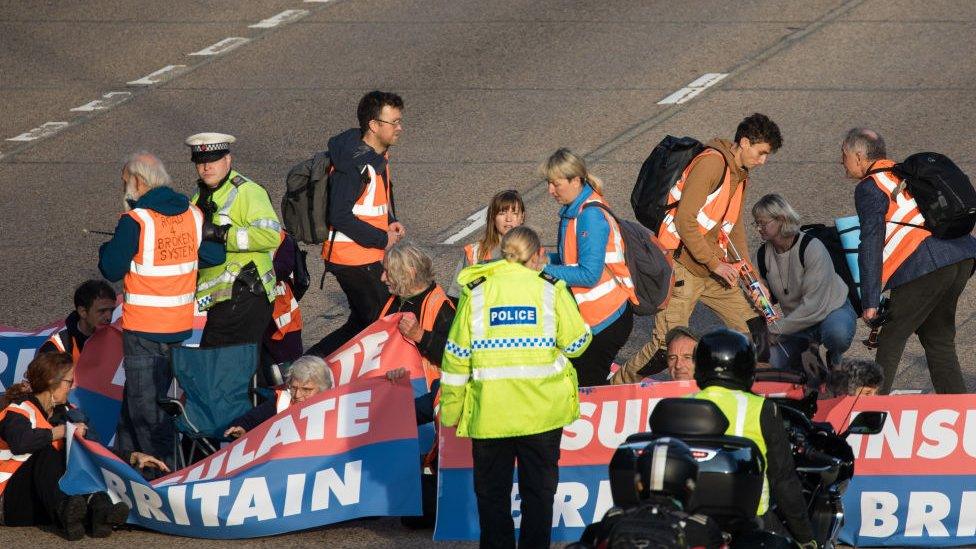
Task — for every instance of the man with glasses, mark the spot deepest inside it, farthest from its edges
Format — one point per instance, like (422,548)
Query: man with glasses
(361,218)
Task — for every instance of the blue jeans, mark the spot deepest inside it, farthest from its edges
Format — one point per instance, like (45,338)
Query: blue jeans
(143,426)
(835,332)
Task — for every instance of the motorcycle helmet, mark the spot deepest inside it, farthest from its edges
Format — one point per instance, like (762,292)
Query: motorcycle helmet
(666,466)
(727,356)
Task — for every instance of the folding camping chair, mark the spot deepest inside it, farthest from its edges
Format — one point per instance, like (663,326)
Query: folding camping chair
(216,384)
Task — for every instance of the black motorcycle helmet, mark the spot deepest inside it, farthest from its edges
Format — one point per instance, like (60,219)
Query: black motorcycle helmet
(666,466)
(727,356)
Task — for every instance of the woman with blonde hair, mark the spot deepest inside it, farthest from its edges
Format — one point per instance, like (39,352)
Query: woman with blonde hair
(590,259)
(505,212)
(507,384)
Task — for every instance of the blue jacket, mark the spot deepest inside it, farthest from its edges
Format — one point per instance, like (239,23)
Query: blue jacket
(115,256)
(932,254)
(349,155)
(592,234)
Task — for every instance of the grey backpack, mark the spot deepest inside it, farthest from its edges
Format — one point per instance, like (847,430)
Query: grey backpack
(306,201)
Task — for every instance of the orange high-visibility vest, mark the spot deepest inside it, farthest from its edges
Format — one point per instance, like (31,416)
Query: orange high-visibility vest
(162,279)
(428,316)
(372,207)
(903,221)
(471,253)
(287,315)
(721,206)
(282,400)
(10,462)
(615,286)
(62,341)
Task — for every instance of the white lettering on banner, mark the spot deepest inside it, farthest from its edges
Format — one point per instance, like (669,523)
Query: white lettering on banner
(940,436)
(579,434)
(253,500)
(148,502)
(371,346)
(119,378)
(176,496)
(24,357)
(568,503)
(209,494)
(346,489)
(115,487)
(294,493)
(315,416)
(926,515)
(356,421)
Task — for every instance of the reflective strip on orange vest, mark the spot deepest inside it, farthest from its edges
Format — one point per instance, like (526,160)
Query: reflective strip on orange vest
(282,400)
(615,286)
(373,208)
(903,222)
(10,462)
(428,317)
(286,314)
(471,253)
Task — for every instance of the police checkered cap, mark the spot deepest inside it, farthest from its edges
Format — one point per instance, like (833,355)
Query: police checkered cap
(209,146)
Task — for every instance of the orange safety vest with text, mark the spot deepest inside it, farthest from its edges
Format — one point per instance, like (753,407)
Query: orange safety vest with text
(721,206)
(428,316)
(287,315)
(615,286)
(903,221)
(372,207)
(158,290)
(10,462)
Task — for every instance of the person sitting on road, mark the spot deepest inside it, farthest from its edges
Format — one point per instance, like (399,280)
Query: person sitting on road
(665,478)
(856,377)
(33,426)
(505,212)
(94,303)
(307,377)
(811,294)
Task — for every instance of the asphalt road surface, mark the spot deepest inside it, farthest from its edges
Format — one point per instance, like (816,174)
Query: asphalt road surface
(491,89)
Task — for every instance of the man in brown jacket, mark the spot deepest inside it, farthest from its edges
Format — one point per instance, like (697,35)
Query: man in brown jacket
(710,197)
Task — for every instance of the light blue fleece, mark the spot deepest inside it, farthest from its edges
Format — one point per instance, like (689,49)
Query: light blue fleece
(592,234)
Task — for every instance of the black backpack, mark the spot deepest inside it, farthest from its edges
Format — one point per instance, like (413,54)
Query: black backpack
(651,268)
(304,206)
(659,173)
(944,194)
(830,238)
(647,526)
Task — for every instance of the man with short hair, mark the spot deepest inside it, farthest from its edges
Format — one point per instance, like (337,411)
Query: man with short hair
(94,303)
(237,293)
(361,217)
(680,344)
(157,247)
(699,233)
(926,275)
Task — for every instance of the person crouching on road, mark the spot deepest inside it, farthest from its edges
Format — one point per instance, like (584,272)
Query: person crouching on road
(94,304)
(307,377)
(33,416)
(590,260)
(802,279)
(507,384)
(856,377)
(505,212)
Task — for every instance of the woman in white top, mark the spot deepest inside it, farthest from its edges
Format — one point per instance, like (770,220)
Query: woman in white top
(505,212)
(812,296)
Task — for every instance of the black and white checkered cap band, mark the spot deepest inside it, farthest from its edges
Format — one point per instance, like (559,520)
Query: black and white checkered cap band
(210,147)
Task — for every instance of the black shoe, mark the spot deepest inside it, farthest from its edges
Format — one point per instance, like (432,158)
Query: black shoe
(105,515)
(71,515)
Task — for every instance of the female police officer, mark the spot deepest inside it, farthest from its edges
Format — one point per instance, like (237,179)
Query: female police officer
(506,383)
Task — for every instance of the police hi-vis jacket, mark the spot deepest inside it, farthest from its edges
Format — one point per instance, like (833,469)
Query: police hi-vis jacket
(505,370)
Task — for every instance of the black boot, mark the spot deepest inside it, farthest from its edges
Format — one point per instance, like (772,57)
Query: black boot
(71,515)
(103,515)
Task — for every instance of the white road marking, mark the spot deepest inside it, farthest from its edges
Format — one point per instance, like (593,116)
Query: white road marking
(163,74)
(286,16)
(477,220)
(693,89)
(49,128)
(317,1)
(108,100)
(223,46)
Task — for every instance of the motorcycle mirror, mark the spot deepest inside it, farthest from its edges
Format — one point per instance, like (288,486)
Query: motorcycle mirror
(867,423)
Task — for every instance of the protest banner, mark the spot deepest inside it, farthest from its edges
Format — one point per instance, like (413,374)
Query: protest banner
(348,452)
(17,349)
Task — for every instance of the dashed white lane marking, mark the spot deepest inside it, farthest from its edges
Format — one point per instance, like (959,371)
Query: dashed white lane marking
(223,46)
(477,220)
(163,74)
(286,16)
(48,128)
(108,100)
(317,1)
(691,90)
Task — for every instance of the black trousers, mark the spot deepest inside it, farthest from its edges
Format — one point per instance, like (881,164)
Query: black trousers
(366,295)
(241,319)
(926,306)
(593,366)
(32,495)
(538,476)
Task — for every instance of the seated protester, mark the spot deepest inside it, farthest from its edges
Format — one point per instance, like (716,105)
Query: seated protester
(94,303)
(665,480)
(505,212)
(33,415)
(307,377)
(856,377)
(282,342)
(811,294)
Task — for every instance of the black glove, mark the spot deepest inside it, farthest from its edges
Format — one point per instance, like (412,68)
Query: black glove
(215,233)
